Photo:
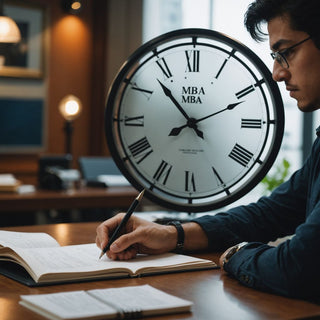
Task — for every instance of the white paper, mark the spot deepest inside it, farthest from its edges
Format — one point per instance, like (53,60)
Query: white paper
(73,304)
(113,180)
(26,239)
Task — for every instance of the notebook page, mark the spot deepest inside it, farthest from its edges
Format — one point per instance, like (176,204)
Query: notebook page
(67,305)
(85,258)
(26,239)
(139,298)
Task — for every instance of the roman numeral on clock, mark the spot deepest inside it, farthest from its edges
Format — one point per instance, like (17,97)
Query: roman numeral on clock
(140,149)
(189,181)
(225,62)
(220,181)
(249,89)
(146,92)
(245,91)
(163,172)
(193,60)
(241,155)
(164,67)
(251,123)
(134,121)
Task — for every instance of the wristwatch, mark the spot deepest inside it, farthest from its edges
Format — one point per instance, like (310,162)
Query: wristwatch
(180,241)
(232,251)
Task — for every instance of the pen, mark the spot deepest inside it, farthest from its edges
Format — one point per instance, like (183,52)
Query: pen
(123,222)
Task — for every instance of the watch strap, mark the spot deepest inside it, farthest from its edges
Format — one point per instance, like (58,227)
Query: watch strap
(180,240)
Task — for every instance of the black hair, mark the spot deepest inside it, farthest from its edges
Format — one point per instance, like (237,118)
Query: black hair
(304,16)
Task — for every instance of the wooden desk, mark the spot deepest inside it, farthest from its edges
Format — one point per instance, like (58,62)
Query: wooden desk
(215,295)
(113,197)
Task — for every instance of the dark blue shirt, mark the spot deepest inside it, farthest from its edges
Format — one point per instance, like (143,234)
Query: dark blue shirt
(293,267)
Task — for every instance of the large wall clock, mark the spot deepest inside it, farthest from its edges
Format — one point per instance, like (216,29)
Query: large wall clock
(194,118)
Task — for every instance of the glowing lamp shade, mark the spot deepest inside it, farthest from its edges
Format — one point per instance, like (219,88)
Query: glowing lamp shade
(9,31)
(70,107)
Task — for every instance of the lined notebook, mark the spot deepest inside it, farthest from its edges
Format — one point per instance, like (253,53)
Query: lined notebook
(114,303)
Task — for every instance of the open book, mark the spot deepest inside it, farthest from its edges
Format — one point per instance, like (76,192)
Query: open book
(38,259)
(113,303)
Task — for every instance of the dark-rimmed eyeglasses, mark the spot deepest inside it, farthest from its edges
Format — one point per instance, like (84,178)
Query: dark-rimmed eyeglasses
(281,56)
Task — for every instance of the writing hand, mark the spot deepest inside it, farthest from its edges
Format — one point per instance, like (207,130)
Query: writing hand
(139,236)
(177,130)
(190,122)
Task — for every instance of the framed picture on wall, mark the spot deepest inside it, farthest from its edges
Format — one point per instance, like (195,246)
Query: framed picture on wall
(21,125)
(24,59)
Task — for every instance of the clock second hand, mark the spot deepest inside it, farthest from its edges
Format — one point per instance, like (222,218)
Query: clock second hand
(177,130)
(190,123)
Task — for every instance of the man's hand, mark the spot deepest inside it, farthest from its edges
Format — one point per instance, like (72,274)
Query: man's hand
(139,236)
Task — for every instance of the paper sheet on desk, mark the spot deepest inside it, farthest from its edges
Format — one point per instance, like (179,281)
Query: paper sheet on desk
(112,180)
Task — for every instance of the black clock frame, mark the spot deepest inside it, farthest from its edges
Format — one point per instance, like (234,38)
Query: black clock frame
(153,45)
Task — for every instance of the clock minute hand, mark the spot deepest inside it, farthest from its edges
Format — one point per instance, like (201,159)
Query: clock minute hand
(168,93)
(175,131)
(229,107)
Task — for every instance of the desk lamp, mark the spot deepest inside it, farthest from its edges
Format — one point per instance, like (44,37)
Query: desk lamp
(70,108)
(9,31)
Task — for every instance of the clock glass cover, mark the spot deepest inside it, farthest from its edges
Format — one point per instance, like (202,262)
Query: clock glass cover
(194,118)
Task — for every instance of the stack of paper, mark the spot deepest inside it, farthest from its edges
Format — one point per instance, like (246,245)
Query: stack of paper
(8,183)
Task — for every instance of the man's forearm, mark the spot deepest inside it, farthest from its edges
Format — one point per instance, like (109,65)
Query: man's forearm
(195,237)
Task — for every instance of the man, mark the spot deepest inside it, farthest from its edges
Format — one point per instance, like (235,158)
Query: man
(292,268)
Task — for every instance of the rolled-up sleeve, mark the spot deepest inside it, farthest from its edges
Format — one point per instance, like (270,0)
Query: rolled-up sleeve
(290,269)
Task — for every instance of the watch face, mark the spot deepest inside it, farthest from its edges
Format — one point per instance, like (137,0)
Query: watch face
(194,118)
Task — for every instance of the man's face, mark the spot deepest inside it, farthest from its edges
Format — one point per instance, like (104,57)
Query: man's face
(302,78)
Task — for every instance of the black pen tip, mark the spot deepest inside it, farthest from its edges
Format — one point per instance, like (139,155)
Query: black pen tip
(140,195)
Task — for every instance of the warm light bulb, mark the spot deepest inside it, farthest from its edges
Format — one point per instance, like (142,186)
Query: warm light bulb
(4,27)
(9,31)
(76,5)
(70,107)
(72,6)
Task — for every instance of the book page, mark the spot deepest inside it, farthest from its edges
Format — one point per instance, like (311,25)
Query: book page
(140,298)
(67,305)
(70,261)
(65,259)
(165,261)
(26,239)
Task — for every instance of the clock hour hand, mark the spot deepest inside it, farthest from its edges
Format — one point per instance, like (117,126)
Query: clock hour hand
(190,121)
(177,130)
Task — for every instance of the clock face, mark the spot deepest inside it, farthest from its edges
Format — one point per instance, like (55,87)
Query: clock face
(194,118)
